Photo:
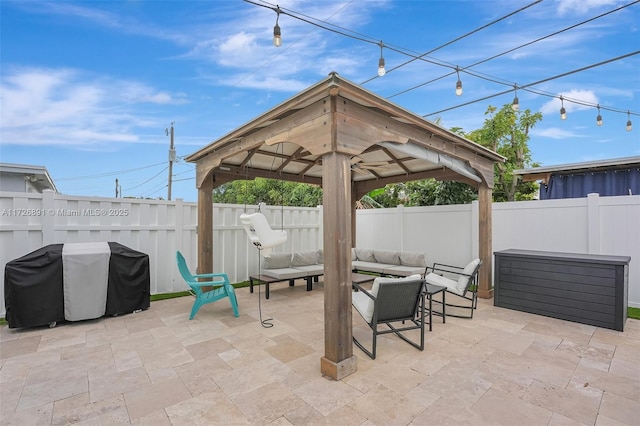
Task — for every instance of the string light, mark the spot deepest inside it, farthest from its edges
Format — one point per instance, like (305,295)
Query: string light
(458,83)
(563,112)
(516,102)
(277,34)
(599,117)
(381,70)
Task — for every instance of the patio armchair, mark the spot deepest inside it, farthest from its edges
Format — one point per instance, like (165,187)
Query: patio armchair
(215,287)
(459,281)
(391,300)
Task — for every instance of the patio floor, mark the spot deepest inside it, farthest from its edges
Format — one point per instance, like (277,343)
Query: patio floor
(156,367)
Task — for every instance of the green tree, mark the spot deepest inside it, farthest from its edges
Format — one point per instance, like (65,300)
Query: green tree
(270,191)
(506,132)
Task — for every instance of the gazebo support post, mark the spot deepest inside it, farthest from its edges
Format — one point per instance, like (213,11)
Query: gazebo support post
(485,289)
(205,226)
(338,361)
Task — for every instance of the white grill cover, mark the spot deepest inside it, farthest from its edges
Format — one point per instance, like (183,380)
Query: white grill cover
(85,269)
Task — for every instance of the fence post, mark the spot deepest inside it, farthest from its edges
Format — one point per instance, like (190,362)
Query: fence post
(593,223)
(400,225)
(475,229)
(48,217)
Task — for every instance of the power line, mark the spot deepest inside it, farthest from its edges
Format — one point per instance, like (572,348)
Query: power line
(152,177)
(544,81)
(109,173)
(463,69)
(458,38)
(370,40)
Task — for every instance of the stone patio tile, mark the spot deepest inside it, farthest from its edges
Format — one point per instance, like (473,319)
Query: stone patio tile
(268,403)
(456,381)
(326,395)
(158,418)
(51,382)
(199,376)
(579,403)
(34,416)
(624,386)
(501,408)
(287,349)
(620,409)
(397,410)
(110,411)
(107,383)
(155,397)
(449,412)
(208,348)
(212,408)
(17,347)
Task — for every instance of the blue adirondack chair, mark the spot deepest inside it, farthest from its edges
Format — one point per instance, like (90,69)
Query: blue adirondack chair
(219,281)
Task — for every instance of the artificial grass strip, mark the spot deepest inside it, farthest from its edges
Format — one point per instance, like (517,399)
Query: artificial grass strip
(633,313)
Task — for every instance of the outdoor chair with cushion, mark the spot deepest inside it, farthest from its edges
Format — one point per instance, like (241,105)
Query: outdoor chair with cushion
(391,300)
(215,287)
(460,281)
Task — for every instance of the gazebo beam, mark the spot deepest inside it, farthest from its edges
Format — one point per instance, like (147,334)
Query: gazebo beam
(338,360)
(205,226)
(485,289)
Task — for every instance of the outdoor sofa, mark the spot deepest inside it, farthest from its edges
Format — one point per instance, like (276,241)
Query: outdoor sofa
(281,267)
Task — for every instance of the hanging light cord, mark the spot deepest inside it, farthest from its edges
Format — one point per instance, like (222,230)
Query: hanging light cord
(264,322)
(525,86)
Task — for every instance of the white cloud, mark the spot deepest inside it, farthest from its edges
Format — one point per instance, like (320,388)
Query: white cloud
(554,133)
(583,6)
(64,107)
(574,100)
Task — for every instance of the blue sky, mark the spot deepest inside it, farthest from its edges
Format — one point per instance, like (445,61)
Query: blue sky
(89,87)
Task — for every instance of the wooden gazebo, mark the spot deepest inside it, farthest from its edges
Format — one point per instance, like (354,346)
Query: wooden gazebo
(350,141)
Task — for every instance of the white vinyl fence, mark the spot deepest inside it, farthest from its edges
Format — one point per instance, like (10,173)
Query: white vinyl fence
(447,234)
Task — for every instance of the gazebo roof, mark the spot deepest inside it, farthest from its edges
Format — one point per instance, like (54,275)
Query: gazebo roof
(388,143)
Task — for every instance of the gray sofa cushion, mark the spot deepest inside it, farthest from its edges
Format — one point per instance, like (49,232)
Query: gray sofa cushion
(304,258)
(277,261)
(320,257)
(403,270)
(284,273)
(409,258)
(365,255)
(310,270)
(389,257)
(378,268)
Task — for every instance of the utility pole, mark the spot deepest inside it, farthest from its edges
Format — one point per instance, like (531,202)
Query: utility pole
(172,158)
(116,187)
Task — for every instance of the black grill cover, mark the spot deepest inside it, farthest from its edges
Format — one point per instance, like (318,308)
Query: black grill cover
(34,289)
(129,282)
(33,293)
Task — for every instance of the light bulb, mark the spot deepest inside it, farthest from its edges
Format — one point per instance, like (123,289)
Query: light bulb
(516,104)
(628,121)
(277,36)
(458,83)
(381,70)
(599,117)
(563,113)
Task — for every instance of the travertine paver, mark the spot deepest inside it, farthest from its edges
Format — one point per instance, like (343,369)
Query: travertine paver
(158,368)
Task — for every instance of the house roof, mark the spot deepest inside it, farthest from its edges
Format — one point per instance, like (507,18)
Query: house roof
(388,143)
(37,175)
(544,173)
